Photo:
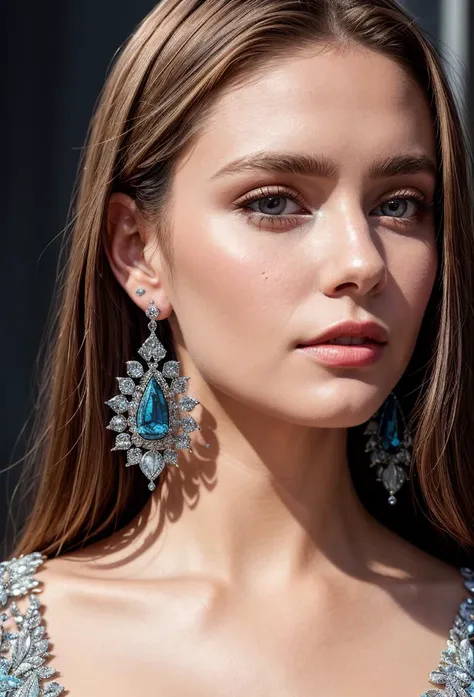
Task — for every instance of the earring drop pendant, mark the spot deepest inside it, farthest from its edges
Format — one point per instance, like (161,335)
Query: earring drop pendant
(389,449)
(158,420)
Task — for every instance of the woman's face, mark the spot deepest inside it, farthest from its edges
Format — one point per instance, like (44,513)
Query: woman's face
(266,256)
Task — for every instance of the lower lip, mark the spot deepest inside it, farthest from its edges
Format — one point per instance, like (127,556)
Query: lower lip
(344,354)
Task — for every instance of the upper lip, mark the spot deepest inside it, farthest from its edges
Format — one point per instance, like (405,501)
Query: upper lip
(350,328)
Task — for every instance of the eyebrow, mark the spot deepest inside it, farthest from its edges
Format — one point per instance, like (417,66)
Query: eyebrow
(319,166)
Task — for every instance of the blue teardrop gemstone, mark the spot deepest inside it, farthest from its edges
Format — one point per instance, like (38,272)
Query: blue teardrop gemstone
(388,428)
(153,415)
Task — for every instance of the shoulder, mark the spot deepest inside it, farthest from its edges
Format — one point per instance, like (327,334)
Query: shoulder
(24,646)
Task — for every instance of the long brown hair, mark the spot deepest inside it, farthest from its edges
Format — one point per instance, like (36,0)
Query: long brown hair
(154,101)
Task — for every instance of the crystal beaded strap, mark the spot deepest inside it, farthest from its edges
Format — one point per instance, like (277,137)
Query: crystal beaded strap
(454,676)
(24,652)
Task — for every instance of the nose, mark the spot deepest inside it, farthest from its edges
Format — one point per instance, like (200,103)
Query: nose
(353,259)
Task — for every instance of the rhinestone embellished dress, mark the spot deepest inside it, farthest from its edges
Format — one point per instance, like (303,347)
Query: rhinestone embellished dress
(24,655)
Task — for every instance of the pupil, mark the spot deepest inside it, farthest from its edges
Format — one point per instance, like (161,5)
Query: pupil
(273,203)
(396,206)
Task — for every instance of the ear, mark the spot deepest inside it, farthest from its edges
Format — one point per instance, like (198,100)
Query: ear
(134,255)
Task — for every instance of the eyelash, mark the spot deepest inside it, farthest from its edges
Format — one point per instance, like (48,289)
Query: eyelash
(276,220)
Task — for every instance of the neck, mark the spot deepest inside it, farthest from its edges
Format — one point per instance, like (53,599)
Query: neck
(267,502)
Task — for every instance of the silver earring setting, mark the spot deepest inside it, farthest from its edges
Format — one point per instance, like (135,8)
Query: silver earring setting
(157,428)
(389,450)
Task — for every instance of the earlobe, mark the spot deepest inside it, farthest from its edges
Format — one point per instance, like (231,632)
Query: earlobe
(129,238)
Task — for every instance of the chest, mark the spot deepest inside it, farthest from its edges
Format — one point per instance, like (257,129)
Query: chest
(194,645)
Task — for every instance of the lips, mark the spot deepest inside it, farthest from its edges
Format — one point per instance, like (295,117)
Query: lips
(371,331)
(350,341)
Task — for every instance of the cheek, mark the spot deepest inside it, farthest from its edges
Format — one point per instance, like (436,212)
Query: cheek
(233,293)
(415,273)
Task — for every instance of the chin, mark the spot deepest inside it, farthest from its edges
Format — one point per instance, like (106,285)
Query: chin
(335,407)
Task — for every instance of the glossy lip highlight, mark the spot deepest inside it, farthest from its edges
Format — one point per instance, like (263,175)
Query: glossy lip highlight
(344,356)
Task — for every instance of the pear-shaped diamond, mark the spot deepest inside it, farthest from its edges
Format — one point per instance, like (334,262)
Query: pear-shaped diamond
(179,385)
(119,403)
(182,441)
(134,456)
(189,424)
(122,442)
(152,464)
(134,369)
(170,457)
(187,403)
(118,423)
(171,369)
(126,385)
(393,478)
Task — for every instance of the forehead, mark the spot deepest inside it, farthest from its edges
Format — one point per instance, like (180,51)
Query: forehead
(352,105)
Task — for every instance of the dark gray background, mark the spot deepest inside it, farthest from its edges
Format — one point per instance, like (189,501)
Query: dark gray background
(57,55)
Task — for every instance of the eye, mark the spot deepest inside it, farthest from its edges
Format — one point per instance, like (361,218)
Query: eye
(273,208)
(400,207)
(274,205)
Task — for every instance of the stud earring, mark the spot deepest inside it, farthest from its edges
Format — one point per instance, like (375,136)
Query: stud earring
(157,428)
(389,451)
(140,291)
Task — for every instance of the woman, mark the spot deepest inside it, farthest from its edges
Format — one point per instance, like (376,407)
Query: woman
(281,186)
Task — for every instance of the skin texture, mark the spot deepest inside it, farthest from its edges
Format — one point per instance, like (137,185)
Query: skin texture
(254,569)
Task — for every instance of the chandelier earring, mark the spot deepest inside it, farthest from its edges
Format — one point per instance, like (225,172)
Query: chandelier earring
(389,445)
(158,422)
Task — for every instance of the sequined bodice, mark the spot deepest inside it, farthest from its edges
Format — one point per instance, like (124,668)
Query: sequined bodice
(24,655)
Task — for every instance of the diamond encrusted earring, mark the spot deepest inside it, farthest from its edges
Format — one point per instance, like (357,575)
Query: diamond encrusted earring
(389,451)
(154,420)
